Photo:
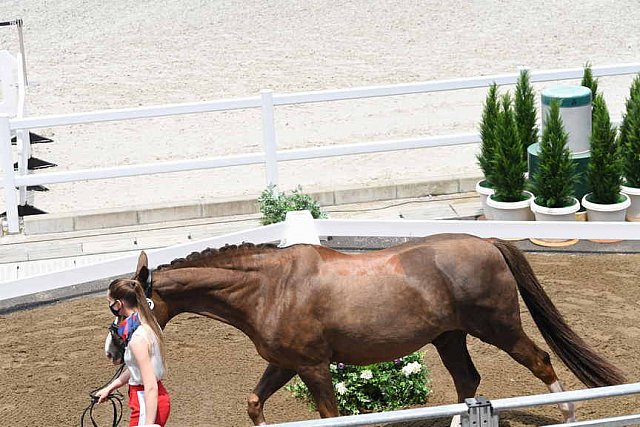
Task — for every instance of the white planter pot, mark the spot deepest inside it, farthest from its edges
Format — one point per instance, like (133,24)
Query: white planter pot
(555,214)
(633,211)
(614,212)
(511,211)
(484,193)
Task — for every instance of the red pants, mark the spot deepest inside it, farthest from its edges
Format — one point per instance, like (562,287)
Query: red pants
(136,403)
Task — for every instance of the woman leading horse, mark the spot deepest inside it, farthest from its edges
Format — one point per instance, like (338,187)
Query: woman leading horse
(305,306)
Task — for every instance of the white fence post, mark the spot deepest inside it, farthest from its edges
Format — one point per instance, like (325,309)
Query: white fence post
(6,157)
(24,152)
(269,137)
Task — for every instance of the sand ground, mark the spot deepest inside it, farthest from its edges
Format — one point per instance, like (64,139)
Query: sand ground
(51,357)
(87,55)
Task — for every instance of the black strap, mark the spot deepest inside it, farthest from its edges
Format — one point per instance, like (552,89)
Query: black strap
(147,286)
(114,398)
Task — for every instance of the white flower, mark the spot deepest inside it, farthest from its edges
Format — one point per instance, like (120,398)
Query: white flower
(341,388)
(366,374)
(411,368)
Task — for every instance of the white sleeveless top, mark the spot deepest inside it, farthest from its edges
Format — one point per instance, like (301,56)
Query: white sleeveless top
(145,334)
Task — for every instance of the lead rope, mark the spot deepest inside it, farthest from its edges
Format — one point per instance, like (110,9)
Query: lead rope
(114,398)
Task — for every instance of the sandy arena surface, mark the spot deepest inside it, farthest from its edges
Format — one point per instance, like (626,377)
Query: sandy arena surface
(87,55)
(51,357)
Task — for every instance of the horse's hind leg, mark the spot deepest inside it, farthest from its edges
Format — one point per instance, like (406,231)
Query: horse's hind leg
(272,380)
(452,348)
(524,351)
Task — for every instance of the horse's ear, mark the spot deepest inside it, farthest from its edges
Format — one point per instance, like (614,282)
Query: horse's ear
(142,270)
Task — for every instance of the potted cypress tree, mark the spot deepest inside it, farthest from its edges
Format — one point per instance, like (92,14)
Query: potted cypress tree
(510,202)
(630,146)
(526,114)
(554,179)
(488,127)
(589,81)
(604,173)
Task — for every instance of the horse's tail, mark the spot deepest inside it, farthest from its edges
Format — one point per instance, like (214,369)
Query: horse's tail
(587,365)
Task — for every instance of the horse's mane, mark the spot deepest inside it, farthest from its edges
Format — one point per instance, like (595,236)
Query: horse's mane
(210,257)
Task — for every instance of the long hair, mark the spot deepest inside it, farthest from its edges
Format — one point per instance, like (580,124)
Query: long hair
(131,293)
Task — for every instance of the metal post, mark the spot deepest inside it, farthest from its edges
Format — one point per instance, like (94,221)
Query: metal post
(6,158)
(24,60)
(269,137)
(480,413)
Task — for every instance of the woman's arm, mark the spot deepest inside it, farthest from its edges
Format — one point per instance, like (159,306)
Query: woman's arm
(140,347)
(122,379)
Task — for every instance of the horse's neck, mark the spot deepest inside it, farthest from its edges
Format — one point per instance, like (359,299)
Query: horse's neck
(229,296)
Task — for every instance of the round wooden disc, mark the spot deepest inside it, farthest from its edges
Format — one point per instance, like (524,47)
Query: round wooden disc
(606,240)
(554,243)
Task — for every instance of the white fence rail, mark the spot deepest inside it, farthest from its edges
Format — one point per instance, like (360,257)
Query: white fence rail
(266,101)
(490,414)
(291,231)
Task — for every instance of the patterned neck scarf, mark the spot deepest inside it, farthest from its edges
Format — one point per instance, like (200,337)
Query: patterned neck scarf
(127,327)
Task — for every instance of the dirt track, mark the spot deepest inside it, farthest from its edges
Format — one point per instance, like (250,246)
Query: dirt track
(51,357)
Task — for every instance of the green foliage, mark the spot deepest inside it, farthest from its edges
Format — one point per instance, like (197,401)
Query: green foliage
(589,81)
(630,136)
(508,164)
(488,127)
(380,387)
(604,172)
(556,175)
(526,114)
(274,206)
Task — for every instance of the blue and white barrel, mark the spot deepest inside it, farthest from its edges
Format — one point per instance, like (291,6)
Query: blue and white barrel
(575,111)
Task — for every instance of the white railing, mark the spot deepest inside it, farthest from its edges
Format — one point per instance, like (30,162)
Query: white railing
(487,413)
(291,231)
(267,101)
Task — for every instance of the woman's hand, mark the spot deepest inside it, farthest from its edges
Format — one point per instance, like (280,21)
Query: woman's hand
(103,393)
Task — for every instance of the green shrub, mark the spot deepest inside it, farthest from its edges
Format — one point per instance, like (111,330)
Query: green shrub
(379,387)
(630,136)
(589,81)
(274,205)
(556,175)
(526,114)
(488,127)
(604,172)
(508,163)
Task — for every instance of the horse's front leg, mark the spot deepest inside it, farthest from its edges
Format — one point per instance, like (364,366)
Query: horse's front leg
(318,379)
(272,380)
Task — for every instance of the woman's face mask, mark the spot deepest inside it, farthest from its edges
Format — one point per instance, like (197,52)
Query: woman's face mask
(113,309)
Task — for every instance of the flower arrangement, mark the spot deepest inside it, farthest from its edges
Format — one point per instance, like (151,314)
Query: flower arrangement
(379,387)
(274,205)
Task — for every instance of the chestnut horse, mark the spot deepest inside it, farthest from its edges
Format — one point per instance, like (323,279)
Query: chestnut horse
(305,306)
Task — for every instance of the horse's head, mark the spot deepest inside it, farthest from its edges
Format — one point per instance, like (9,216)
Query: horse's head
(114,345)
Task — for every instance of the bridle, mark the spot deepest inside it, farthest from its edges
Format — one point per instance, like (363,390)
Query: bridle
(116,397)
